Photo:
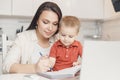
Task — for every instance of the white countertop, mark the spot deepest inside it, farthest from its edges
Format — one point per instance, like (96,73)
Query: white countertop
(29,77)
(21,77)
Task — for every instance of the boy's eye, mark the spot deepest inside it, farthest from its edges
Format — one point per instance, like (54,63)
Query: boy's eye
(63,34)
(71,36)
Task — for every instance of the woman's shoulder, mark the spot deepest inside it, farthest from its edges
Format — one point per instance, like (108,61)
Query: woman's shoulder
(30,34)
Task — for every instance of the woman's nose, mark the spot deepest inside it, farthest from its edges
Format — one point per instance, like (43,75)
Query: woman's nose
(50,27)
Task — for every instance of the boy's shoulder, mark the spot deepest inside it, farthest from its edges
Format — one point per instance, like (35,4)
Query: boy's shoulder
(56,43)
(76,41)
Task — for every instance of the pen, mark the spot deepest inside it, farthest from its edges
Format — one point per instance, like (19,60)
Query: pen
(40,53)
(50,68)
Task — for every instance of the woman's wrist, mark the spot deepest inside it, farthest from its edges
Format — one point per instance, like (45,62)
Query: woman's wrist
(34,68)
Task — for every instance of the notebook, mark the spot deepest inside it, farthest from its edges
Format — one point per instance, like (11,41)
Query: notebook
(100,60)
(64,73)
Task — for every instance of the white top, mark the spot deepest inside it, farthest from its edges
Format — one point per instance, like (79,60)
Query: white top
(25,50)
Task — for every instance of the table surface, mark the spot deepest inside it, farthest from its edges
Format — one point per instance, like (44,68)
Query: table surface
(30,77)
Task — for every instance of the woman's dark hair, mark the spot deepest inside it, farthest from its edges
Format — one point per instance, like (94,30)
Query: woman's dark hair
(45,6)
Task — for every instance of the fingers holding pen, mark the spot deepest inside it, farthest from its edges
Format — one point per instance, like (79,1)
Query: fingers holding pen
(43,57)
(43,64)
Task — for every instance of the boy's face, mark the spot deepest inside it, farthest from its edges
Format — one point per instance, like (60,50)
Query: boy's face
(68,35)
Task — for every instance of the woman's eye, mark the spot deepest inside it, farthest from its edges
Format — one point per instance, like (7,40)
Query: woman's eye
(45,22)
(55,24)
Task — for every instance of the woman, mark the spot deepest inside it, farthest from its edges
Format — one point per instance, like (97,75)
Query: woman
(25,56)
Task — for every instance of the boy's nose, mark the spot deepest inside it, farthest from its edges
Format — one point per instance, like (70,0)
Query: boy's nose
(66,38)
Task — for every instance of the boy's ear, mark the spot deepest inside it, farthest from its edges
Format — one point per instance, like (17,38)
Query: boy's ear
(76,35)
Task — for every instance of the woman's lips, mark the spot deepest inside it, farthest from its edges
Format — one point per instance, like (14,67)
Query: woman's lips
(48,33)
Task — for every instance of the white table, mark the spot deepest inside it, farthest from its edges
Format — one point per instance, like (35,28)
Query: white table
(29,77)
(21,77)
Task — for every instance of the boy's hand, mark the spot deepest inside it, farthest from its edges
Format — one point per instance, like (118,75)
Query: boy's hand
(76,63)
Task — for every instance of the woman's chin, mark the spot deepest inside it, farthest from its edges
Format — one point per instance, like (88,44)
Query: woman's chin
(48,36)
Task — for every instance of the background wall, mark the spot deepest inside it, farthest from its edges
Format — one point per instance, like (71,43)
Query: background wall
(111,30)
(0,64)
(10,25)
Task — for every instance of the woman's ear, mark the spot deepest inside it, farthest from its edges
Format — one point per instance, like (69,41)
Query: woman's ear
(37,23)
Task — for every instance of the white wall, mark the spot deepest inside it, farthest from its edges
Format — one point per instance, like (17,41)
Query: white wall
(87,30)
(10,25)
(0,64)
(111,30)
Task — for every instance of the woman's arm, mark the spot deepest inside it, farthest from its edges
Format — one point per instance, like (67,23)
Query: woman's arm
(23,68)
(41,66)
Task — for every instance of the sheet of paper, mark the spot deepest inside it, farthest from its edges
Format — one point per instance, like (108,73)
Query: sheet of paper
(68,72)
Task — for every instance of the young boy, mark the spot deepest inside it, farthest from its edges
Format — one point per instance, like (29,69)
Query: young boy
(64,52)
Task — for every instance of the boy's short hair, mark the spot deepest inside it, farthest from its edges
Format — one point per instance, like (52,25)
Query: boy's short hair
(70,21)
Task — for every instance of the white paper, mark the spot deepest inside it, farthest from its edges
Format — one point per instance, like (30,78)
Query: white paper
(65,73)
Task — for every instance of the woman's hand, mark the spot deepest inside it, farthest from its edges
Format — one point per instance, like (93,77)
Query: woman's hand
(42,65)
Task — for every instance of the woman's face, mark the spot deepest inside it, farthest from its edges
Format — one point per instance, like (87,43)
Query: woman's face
(47,23)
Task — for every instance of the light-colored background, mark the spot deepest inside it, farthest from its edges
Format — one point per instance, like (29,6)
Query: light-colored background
(98,19)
